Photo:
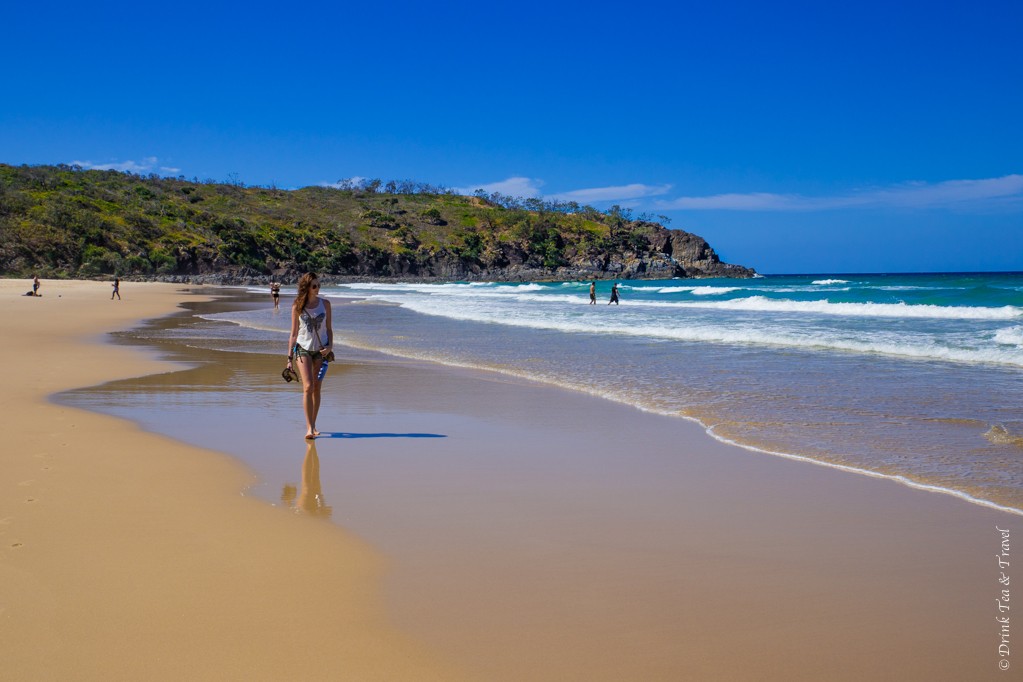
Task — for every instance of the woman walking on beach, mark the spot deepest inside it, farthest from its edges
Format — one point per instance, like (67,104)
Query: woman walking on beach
(312,337)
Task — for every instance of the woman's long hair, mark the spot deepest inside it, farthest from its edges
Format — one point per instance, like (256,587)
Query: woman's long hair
(304,283)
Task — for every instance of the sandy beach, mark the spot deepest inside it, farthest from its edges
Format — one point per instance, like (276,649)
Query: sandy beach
(483,528)
(128,556)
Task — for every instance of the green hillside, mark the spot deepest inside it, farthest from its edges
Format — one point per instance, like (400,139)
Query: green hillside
(62,221)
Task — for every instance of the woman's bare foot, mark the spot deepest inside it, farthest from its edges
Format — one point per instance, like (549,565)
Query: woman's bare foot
(311,434)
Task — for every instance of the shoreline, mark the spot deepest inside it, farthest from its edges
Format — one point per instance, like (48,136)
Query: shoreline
(901,480)
(549,534)
(709,430)
(127,555)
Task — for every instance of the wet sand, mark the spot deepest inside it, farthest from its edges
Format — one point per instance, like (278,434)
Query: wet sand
(535,533)
(127,555)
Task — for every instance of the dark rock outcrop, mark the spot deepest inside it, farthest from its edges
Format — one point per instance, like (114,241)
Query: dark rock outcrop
(694,257)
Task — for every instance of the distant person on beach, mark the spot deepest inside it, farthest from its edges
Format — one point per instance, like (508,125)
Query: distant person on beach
(35,285)
(614,294)
(275,292)
(593,293)
(312,337)
(117,289)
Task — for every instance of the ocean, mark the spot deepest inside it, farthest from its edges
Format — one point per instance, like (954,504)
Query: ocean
(913,377)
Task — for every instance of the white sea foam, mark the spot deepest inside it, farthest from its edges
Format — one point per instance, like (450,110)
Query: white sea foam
(912,288)
(695,291)
(1010,336)
(796,290)
(416,287)
(824,307)
(671,290)
(749,333)
(826,282)
(819,307)
(534,294)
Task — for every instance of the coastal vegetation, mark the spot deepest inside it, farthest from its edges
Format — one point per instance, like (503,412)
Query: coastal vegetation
(64,221)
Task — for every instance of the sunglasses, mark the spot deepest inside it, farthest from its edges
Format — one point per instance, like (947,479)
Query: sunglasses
(314,286)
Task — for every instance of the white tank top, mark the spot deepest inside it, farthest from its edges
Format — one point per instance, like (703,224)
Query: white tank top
(312,327)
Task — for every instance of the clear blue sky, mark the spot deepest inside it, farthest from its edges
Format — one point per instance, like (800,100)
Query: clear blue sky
(795,137)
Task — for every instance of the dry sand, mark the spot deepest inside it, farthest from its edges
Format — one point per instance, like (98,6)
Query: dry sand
(547,536)
(127,556)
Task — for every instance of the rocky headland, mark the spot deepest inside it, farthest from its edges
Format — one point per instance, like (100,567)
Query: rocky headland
(62,221)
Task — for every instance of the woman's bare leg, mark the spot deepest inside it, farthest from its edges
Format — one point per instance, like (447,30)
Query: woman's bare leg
(310,393)
(317,384)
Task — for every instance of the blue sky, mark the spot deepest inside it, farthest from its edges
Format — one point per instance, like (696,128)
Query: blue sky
(795,137)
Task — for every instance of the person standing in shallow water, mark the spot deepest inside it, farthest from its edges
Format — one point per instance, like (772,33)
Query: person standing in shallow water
(275,292)
(311,340)
(614,294)
(593,293)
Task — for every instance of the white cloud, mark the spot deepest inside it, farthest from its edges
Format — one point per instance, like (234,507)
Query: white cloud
(354,181)
(758,201)
(144,166)
(167,169)
(921,194)
(904,195)
(530,187)
(616,193)
(512,187)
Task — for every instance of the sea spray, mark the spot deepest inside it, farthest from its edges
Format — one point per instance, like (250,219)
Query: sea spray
(999,435)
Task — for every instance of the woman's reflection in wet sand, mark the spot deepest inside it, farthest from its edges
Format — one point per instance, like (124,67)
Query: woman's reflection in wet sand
(308,499)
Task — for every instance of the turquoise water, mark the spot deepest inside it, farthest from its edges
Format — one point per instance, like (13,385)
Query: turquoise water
(914,377)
